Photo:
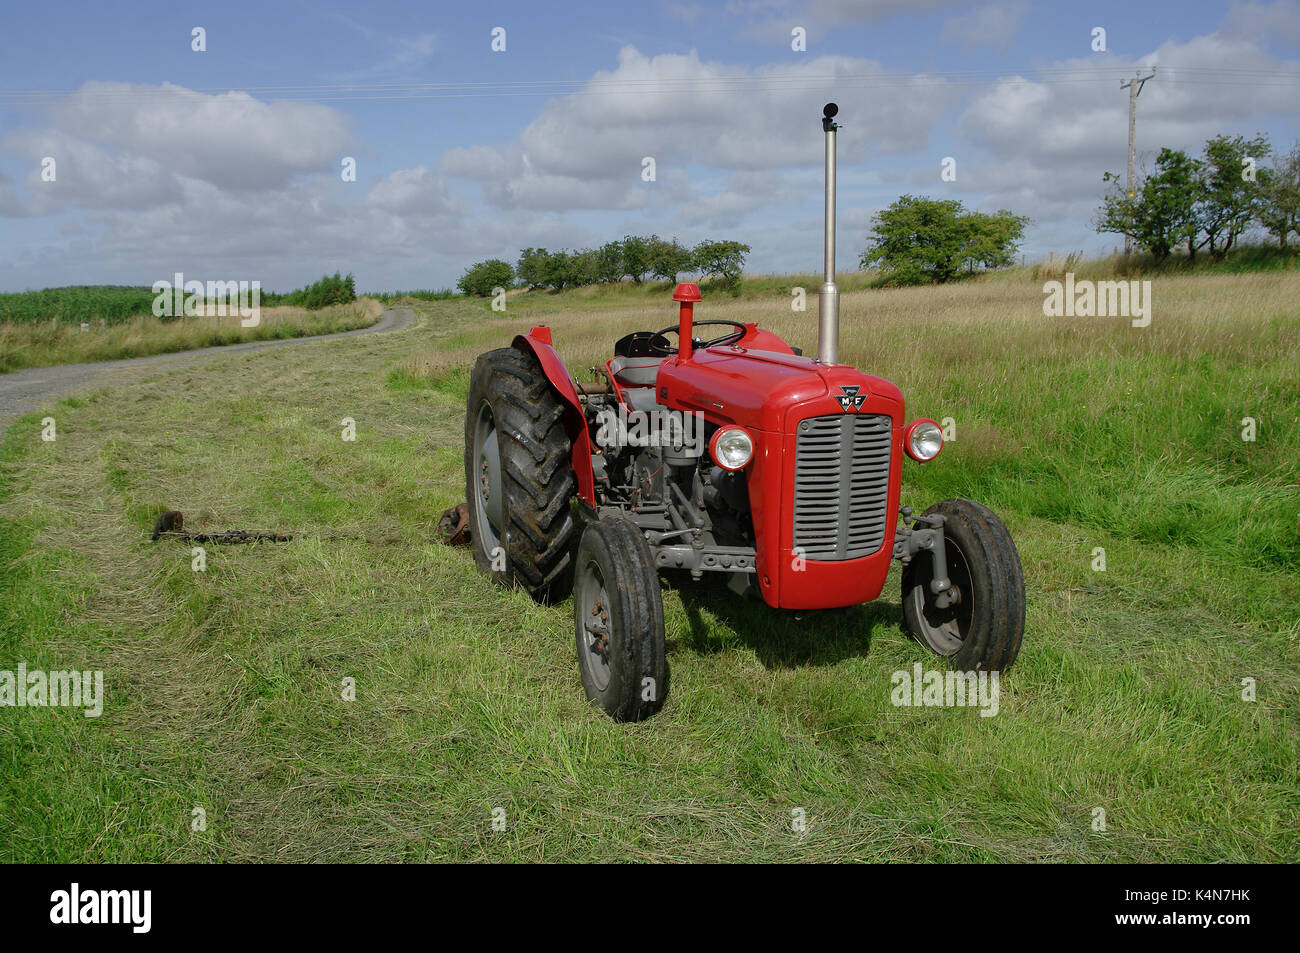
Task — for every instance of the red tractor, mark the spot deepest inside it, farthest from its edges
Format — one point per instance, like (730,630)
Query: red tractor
(725,453)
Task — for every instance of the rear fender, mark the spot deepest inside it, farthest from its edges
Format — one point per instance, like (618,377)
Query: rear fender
(538,343)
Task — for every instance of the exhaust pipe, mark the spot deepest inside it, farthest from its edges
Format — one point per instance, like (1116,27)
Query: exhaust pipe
(828,299)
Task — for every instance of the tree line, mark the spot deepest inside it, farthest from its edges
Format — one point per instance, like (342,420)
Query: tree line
(1208,201)
(1188,203)
(115,304)
(330,290)
(635,257)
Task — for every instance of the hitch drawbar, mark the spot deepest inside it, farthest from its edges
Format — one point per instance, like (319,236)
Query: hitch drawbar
(925,534)
(171,524)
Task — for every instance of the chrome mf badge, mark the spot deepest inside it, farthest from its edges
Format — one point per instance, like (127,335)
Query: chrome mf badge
(850,400)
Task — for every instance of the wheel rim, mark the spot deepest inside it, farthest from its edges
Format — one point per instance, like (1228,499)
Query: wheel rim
(595,626)
(945,629)
(489,514)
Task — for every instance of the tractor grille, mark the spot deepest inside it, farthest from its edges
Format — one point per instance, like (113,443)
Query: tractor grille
(841,485)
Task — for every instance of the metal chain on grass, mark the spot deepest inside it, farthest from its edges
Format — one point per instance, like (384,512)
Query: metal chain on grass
(172,524)
(230,536)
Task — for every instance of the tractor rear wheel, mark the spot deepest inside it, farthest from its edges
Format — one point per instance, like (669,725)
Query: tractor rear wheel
(982,628)
(618,617)
(519,475)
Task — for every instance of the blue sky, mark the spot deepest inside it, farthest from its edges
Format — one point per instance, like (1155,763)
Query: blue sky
(226,163)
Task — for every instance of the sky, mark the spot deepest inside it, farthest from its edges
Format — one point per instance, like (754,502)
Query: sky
(230,162)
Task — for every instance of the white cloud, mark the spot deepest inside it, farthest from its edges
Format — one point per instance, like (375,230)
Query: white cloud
(586,150)
(688,13)
(475,162)
(770,21)
(848,11)
(741,192)
(85,176)
(994,25)
(1264,23)
(416,191)
(229,139)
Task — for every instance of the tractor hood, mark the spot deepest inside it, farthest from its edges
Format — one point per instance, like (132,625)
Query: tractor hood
(756,388)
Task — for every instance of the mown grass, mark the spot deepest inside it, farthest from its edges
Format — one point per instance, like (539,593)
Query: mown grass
(42,344)
(223,687)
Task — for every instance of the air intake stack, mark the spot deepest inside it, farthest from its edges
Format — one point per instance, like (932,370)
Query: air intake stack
(828,301)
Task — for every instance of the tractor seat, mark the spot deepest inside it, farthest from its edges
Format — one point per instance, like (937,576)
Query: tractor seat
(636,380)
(635,371)
(642,399)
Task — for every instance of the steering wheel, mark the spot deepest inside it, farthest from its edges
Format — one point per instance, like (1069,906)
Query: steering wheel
(661,346)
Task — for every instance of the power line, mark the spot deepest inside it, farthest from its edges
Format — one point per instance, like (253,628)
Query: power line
(773,83)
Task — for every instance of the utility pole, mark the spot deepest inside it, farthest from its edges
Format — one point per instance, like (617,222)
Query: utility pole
(1134,86)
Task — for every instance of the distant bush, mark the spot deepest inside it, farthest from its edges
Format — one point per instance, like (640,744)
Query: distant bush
(330,290)
(921,240)
(725,260)
(532,267)
(480,279)
(424,294)
(668,259)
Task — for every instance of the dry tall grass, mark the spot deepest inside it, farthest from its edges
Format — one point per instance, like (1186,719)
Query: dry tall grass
(26,344)
(896,327)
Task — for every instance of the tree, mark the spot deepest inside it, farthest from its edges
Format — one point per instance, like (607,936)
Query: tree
(1119,210)
(1198,203)
(559,271)
(725,260)
(920,240)
(586,267)
(668,259)
(991,240)
(1229,201)
(329,290)
(532,267)
(636,257)
(480,279)
(610,256)
(1163,212)
(1279,210)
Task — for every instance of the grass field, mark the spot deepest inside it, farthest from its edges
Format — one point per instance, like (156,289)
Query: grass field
(41,344)
(223,687)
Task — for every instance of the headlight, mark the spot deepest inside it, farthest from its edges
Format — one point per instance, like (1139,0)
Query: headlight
(923,440)
(731,448)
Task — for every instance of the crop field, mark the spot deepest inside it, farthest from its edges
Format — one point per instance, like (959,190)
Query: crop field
(109,303)
(1151,716)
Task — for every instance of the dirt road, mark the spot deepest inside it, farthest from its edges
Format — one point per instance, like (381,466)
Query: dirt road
(23,391)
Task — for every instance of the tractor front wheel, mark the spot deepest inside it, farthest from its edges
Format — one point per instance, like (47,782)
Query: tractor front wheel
(981,627)
(619,620)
